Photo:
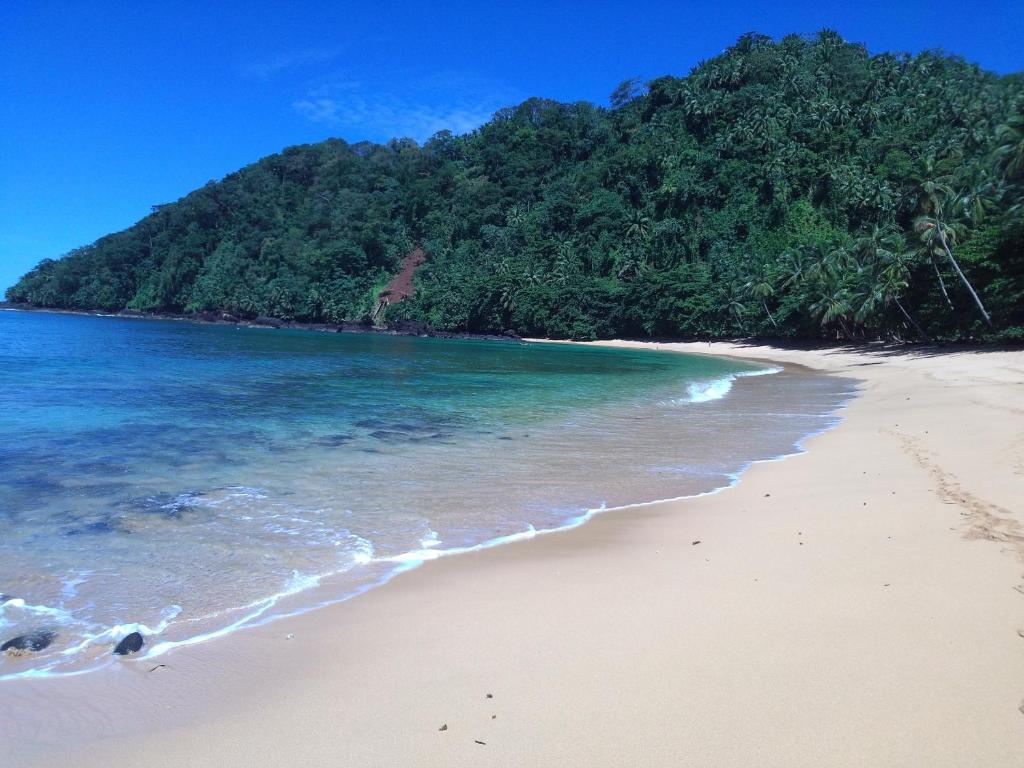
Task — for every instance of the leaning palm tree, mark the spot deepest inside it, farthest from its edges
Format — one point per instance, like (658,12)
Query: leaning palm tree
(936,236)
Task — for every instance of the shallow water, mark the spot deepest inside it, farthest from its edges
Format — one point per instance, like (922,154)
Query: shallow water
(188,480)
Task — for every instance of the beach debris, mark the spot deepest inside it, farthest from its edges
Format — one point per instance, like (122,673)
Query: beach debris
(289,636)
(767,495)
(443,727)
(154,669)
(494,717)
(477,741)
(129,644)
(1020,632)
(489,696)
(695,542)
(28,643)
(885,585)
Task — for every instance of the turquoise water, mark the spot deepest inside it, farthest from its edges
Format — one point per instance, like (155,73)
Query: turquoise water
(188,480)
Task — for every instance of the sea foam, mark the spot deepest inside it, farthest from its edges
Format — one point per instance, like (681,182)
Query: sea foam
(706,391)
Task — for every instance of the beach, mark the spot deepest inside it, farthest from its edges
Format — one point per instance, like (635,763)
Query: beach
(861,603)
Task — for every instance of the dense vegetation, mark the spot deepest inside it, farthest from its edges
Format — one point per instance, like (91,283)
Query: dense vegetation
(791,188)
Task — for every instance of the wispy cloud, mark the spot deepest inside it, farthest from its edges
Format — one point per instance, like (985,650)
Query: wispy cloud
(275,65)
(415,108)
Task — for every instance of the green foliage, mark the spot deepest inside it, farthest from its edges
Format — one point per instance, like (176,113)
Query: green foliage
(790,188)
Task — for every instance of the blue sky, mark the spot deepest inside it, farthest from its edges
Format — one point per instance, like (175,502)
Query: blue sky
(108,108)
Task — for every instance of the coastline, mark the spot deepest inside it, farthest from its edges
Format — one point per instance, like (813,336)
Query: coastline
(852,604)
(399,328)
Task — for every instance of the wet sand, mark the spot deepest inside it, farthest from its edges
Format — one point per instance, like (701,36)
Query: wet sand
(859,604)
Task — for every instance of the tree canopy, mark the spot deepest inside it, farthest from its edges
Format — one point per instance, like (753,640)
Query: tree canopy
(793,187)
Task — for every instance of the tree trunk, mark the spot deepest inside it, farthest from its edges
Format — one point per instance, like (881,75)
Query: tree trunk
(765,305)
(963,277)
(911,320)
(942,283)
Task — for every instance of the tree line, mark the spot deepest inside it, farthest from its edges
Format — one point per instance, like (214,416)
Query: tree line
(795,188)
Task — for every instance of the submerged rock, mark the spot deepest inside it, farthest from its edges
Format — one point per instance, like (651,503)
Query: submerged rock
(129,644)
(28,643)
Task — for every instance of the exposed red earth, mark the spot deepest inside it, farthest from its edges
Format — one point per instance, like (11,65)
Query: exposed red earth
(401,285)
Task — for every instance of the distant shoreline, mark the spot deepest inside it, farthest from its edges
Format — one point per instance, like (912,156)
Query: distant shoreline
(413,328)
(400,328)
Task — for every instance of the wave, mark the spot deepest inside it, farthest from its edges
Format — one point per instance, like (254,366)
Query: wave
(706,391)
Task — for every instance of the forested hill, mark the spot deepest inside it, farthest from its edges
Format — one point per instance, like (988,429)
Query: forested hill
(798,187)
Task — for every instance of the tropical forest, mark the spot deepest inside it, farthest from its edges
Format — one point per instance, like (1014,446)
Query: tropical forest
(798,187)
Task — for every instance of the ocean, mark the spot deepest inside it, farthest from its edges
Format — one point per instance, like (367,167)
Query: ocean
(186,481)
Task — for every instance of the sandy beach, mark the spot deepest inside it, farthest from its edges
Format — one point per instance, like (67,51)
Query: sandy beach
(861,603)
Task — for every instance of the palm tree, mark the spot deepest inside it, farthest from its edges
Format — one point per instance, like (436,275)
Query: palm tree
(936,236)
(639,226)
(1009,152)
(929,187)
(760,287)
(892,281)
(980,193)
(795,264)
(507,299)
(833,303)
(735,305)
(836,279)
(890,256)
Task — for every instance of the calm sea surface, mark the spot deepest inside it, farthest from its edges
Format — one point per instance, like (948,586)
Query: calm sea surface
(187,480)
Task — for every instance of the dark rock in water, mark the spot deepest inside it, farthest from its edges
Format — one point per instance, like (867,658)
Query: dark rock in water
(33,641)
(130,644)
(4,598)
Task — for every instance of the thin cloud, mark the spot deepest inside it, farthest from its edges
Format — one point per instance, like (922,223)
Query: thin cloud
(423,108)
(289,60)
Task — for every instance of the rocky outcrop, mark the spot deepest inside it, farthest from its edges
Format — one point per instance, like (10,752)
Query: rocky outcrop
(130,644)
(31,642)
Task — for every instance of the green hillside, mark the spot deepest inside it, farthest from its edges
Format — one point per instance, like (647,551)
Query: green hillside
(798,187)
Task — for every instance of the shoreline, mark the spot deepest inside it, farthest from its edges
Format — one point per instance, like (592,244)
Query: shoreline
(323,590)
(400,328)
(603,602)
